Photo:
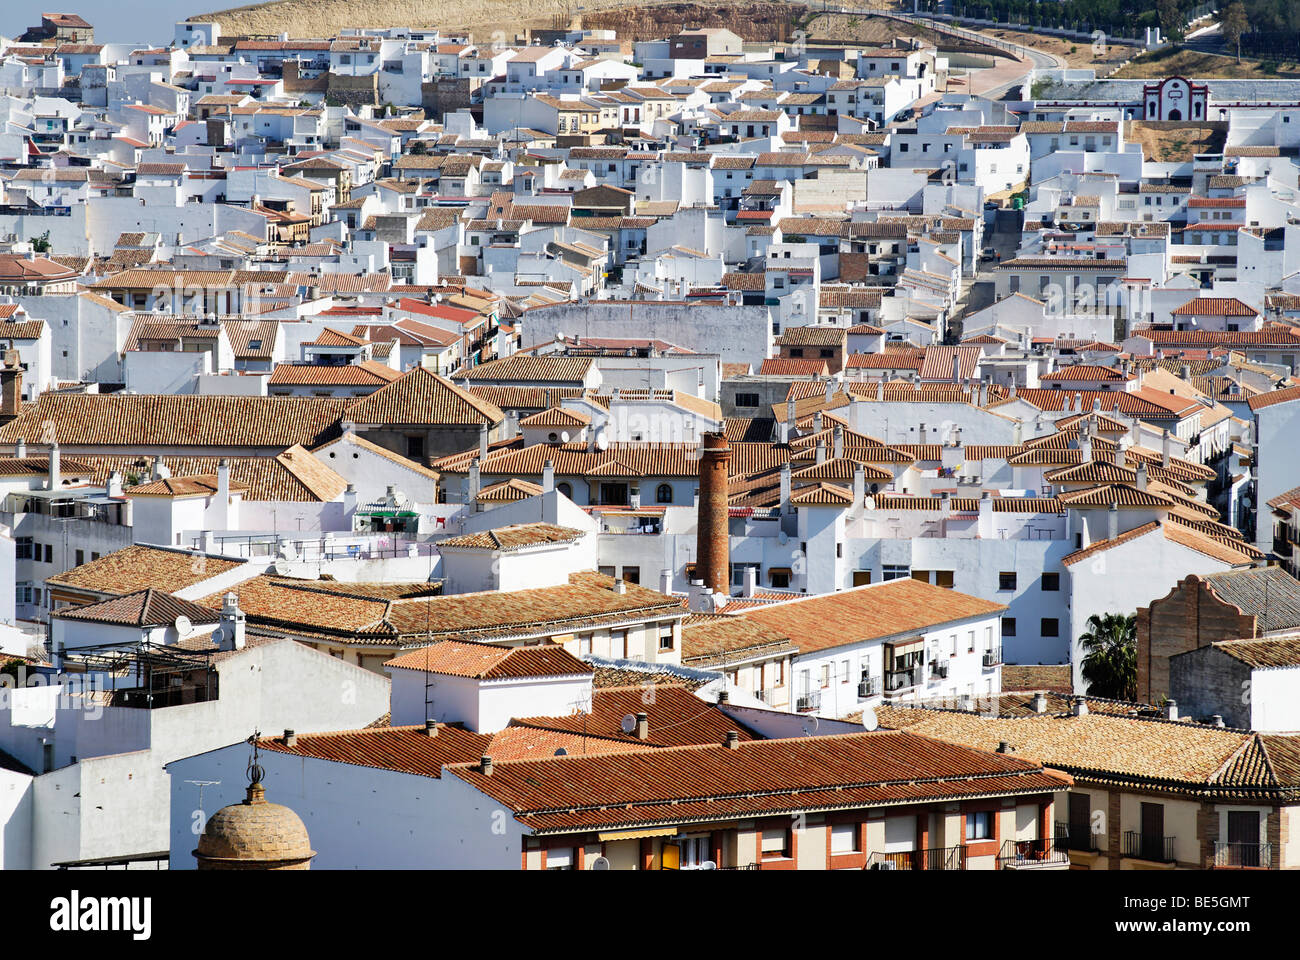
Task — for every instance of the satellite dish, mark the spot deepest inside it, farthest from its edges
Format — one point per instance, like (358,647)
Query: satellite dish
(869,719)
(628,723)
(219,636)
(810,725)
(708,865)
(561,752)
(600,863)
(564,436)
(183,625)
(871,502)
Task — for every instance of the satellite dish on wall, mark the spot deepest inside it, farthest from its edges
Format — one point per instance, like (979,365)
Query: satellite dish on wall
(183,626)
(564,436)
(600,863)
(628,723)
(810,725)
(869,719)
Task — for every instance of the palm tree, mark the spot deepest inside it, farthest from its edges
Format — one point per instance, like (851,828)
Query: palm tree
(1110,662)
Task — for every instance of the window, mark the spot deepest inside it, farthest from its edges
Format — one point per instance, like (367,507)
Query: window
(23,548)
(844,838)
(584,644)
(1051,581)
(415,447)
(49,553)
(1006,581)
(970,641)
(979,825)
(663,493)
(893,571)
(666,637)
(81,557)
(1008,626)
(747,400)
(1051,627)
(779,578)
(826,675)
(943,578)
(565,489)
(632,574)
(776,843)
(844,671)
(559,858)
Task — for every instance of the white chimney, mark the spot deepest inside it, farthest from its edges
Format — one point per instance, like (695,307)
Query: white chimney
(1171,709)
(666,581)
(1039,702)
(113,487)
(232,623)
(55,473)
(821,449)
(350,500)
(223,492)
(548,476)
(750,586)
(859,486)
(785,487)
(20,450)
(1080,707)
(472,482)
(483,442)
(830,391)
(837,441)
(1112,521)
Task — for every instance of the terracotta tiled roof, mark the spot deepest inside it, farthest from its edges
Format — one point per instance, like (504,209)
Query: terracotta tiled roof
(483,661)
(527,368)
(709,783)
(422,397)
(515,537)
(140,567)
(1096,747)
(144,420)
(863,613)
(144,608)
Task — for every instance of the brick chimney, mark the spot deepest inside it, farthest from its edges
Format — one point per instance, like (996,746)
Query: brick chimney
(11,386)
(713,543)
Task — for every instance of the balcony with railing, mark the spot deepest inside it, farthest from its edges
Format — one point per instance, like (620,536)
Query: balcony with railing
(1243,856)
(1156,848)
(868,687)
(808,701)
(899,680)
(992,657)
(936,858)
(1044,854)
(1078,837)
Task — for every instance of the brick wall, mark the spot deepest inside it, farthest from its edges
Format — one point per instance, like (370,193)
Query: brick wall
(1190,616)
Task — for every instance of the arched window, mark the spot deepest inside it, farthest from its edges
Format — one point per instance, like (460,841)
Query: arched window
(663,493)
(565,489)
(552,438)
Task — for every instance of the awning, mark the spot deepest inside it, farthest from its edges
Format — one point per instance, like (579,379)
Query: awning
(904,647)
(637,834)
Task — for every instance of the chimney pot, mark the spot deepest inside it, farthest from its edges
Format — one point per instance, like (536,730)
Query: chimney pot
(732,742)
(485,765)
(1003,747)
(642,726)
(1039,702)
(1080,707)
(290,738)
(431,728)
(724,696)
(1171,709)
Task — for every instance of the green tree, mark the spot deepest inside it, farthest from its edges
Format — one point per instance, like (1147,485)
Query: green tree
(1171,19)
(42,244)
(1110,656)
(1233,25)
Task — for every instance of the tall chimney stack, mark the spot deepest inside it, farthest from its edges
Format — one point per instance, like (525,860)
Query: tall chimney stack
(713,543)
(11,386)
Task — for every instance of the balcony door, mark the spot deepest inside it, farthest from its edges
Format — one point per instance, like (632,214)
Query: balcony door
(1243,838)
(1080,821)
(1153,831)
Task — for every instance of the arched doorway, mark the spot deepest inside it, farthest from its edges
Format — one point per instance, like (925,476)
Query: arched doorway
(1175,114)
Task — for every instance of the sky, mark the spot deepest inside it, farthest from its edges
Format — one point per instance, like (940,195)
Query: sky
(115,21)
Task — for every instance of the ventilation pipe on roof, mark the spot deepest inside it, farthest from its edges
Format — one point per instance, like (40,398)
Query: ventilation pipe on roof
(837,440)
(642,726)
(732,741)
(431,728)
(1080,707)
(1141,476)
(790,418)
(724,695)
(1171,709)
(1039,702)
(1164,448)
(1112,521)
(619,585)
(55,476)
(20,449)
(817,422)
(830,391)
(485,765)
(821,449)
(1216,720)
(666,581)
